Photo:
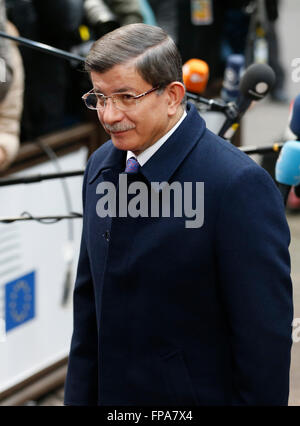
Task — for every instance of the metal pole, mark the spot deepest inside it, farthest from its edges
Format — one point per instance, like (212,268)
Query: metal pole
(43,47)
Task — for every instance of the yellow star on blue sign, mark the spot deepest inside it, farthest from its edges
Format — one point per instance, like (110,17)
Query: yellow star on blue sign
(20,301)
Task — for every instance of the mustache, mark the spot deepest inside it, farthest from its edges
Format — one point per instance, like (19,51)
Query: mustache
(119,127)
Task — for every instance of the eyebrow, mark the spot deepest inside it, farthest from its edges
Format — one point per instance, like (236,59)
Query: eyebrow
(120,90)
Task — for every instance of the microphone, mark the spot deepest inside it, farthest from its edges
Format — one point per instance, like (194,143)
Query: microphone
(210,104)
(255,84)
(232,76)
(295,129)
(287,169)
(195,75)
(295,118)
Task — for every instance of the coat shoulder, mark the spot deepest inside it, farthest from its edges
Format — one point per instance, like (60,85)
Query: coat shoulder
(101,153)
(222,159)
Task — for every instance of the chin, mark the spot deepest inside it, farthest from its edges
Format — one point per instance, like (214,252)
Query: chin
(125,145)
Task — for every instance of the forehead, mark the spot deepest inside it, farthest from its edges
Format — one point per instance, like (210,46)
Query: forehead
(120,78)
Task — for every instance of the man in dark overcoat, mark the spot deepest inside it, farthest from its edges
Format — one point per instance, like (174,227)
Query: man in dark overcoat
(183,293)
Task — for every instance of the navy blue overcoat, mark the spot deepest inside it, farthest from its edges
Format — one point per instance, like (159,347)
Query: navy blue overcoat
(170,315)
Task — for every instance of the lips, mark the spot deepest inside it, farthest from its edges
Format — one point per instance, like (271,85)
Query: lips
(119,132)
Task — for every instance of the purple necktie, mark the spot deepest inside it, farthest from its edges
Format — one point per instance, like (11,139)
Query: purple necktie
(132,165)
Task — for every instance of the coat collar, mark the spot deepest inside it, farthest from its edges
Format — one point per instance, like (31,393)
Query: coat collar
(113,158)
(163,164)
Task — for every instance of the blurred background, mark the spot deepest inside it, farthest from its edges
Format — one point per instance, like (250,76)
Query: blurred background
(45,128)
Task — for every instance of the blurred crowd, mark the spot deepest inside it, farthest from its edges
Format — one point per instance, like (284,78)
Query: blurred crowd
(41,93)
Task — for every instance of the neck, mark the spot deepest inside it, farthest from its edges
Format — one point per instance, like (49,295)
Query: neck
(176,118)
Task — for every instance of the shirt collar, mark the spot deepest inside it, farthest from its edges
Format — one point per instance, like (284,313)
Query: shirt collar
(147,154)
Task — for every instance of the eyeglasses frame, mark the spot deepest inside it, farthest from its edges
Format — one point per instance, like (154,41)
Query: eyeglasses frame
(112,96)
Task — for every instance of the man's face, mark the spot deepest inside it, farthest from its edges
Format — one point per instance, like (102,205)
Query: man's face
(142,126)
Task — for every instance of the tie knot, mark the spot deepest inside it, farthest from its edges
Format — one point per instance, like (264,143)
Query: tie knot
(132,165)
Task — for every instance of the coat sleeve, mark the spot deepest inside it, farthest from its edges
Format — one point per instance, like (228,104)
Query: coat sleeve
(81,386)
(255,286)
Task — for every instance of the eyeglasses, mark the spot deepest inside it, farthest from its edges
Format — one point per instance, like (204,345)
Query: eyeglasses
(122,101)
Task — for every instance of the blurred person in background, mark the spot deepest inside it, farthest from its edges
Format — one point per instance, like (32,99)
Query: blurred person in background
(11,93)
(278,92)
(106,15)
(64,24)
(6,63)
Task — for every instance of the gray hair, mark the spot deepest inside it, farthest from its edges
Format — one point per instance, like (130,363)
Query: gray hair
(153,51)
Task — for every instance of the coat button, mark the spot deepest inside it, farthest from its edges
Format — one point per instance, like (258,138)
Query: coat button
(106,235)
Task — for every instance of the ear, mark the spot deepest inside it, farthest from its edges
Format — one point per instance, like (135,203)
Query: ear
(176,93)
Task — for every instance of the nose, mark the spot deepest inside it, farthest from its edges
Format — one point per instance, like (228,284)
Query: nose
(110,114)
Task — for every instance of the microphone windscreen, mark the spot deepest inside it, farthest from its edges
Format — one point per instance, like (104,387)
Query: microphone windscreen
(295,117)
(287,170)
(195,75)
(257,81)
(232,76)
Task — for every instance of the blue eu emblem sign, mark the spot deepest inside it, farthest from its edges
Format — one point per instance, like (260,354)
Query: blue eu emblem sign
(20,301)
